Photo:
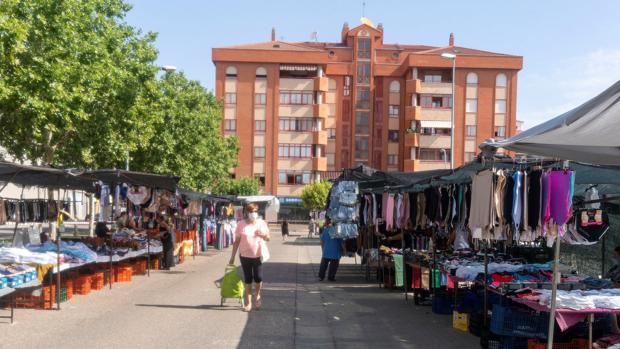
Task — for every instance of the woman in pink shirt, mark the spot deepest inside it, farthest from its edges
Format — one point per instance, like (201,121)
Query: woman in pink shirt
(249,241)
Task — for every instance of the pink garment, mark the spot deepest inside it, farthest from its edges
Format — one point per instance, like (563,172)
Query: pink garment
(250,241)
(560,198)
(545,214)
(389,208)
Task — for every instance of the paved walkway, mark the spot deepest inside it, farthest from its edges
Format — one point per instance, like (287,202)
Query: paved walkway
(181,308)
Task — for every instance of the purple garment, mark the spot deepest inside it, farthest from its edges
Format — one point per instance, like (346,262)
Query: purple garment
(560,197)
(389,210)
(545,214)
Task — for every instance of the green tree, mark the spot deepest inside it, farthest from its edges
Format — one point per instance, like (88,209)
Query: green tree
(76,82)
(244,186)
(314,196)
(187,141)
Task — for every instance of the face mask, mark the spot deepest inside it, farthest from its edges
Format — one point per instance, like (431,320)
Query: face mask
(253,216)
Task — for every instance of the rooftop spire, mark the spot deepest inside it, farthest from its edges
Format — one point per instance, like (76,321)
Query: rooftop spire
(451,40)
(273,34)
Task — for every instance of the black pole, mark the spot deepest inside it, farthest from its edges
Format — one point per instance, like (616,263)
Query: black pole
(58,271)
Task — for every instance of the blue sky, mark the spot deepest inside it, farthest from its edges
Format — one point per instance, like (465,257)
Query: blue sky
(571,48)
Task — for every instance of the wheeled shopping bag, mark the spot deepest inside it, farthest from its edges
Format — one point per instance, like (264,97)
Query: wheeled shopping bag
(231,285)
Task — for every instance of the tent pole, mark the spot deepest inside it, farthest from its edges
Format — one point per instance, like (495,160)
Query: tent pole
(554,291)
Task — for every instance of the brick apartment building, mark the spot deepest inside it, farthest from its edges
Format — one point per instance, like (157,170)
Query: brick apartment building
(303,109)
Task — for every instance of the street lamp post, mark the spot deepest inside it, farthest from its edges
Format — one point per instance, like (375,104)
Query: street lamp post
(452,57)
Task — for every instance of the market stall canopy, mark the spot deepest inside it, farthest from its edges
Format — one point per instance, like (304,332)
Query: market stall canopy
(134,178)
(588,133)
(47,177)
(357,174)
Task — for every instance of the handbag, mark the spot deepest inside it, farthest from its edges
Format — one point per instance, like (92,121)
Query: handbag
(264,252)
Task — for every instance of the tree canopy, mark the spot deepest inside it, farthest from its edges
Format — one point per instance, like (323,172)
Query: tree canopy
(244,186)
(314,196)
(79,88)
(187,140)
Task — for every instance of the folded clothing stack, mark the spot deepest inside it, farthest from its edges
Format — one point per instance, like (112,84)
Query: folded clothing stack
(13,275)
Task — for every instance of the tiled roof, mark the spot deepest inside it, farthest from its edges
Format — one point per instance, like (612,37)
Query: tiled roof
(462,51)
(274,45)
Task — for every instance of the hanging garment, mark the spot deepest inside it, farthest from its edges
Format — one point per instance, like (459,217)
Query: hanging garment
(498,197)
(481,203)
(421,218)
(545,213)
(517,197)
(406,210)
(389,210)
(524,221)
(444,212)
(508,199)
(534,199)
(413,209)
(561,199)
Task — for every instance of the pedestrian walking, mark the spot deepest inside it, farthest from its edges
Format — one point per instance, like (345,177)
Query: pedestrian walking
(285,232)
(332,252)
(250,238)
(311,227)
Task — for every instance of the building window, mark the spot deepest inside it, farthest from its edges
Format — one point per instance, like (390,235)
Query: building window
(472,79)
(261,178)
(394,110)
(296,97)
(346,91)
(432,131)
(295,150)
(361,148)
(432,77)
(230,98)
(331,133)
(500,131)
(230,125)
(363,73)
(261,73)
(259,152)
(363,98)
(469,157)
(260,125)
(361,122)
(394,87)
(231,72)
(500,80)
(470,131)
(363,48)
(433,154)
(393,160)
(260,98)
(393,136)
(292,178)
(471,105)
(436,102)
(297,124)
(500,106)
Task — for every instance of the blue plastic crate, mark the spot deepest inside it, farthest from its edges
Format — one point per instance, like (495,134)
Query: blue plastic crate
(518,322)
(443,305)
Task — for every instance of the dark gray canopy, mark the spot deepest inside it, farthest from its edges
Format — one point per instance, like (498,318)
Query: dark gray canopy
(44,177)
(589,133)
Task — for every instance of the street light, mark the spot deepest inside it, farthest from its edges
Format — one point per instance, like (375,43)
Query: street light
(169,68)
(452,57)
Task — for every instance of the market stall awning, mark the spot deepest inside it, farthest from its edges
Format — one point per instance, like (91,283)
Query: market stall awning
(134,178)
(46,177)
(588,133)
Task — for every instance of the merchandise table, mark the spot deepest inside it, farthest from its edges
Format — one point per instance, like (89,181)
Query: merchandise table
(8,291)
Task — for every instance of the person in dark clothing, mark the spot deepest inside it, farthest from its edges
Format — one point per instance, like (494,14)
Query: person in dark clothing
(285,232)
(332,251)
(101,230)
(167,242)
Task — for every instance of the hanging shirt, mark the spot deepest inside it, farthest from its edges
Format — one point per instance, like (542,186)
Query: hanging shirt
(560,202)
(517,197)
(534,199)
(481,203)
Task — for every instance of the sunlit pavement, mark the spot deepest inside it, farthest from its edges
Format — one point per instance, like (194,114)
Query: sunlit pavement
(181,308)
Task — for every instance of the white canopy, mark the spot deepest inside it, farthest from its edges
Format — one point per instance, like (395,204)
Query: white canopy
(589,133)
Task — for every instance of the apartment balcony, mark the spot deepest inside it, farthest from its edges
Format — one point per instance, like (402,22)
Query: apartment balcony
(412,113)
(321,110)
(319,137)
(321,84)
(412,139)
(435,114)
(319,164)
(436,88)
(434,142)
(424,165)
(413,86)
